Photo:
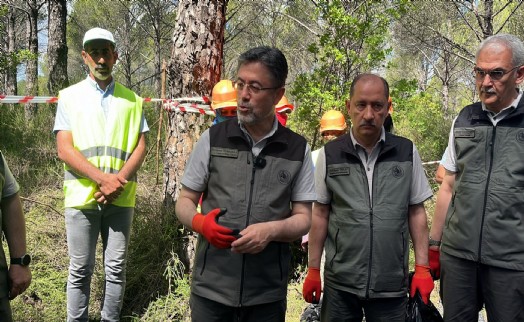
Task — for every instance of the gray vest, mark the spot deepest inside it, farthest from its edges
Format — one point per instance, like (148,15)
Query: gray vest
(367,246)
(253,191)
(485,219)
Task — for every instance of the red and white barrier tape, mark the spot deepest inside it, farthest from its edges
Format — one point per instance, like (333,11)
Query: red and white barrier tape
(188,107)
(27,99)
(180,105)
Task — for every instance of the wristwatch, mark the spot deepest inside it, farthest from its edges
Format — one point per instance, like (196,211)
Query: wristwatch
(434,242)
(24,260)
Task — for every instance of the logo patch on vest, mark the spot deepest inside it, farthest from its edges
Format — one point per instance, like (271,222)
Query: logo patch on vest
(284,177)
(334,172)
(397,172)
(464,133)
(520,136)
(224,152)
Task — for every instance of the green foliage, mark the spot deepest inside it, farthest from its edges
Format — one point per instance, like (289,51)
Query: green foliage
(353,40)
(154,241)
(31,146)
(173,306)
(418,116)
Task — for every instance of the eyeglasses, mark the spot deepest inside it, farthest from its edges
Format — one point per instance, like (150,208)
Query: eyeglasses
(495,74)
(251,88)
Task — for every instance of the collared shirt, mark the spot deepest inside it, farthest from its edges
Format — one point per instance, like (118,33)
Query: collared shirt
(93,90)
(449,158)
(420,189)
(256,147)
(196,172)
(368,160)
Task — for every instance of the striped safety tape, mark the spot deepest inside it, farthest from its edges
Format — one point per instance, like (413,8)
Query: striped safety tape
(181,105)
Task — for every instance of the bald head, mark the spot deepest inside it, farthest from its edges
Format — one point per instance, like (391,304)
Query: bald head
(366,77)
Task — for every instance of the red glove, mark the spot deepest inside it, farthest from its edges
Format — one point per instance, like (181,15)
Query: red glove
(423,282)
(434,263)
(312,286)
(217,235)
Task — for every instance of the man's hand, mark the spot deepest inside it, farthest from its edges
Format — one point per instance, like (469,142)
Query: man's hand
(19,280)
(312,286)
(110,187)
(434,263)
(254,239)
(217,235)
(423,282)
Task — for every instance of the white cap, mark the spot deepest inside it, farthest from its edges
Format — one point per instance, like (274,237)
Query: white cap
(98,33)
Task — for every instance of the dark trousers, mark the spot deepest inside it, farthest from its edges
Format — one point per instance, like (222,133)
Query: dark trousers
(343,306)
(467,285)
(206,310)
(5,310)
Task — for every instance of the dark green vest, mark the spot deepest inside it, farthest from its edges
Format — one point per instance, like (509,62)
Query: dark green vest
(252,193)
(485,219)
(367,246)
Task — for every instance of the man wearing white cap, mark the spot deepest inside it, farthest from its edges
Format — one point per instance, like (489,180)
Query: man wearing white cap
(100,132)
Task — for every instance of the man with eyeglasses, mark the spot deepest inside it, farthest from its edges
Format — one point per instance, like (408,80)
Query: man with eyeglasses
(100,136)
(371,189)
(257,180)
(477,235)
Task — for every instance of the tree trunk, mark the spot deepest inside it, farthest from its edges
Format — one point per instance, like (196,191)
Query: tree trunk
(124,51)
(57,47)
(194,68)
(488,18)
(158,64)
(11,87)
(31,72)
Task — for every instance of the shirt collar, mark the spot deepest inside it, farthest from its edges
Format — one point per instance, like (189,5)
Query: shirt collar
(94,84)
(273,130)
(355,143)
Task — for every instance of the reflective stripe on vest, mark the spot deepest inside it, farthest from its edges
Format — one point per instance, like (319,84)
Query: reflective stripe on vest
(107,142)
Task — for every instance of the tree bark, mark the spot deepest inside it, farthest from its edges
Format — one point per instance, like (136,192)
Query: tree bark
(194,68)
(57,47)
(11,87)
(31,72)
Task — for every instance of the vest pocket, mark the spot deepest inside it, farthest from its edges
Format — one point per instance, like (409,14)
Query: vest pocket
(388,267)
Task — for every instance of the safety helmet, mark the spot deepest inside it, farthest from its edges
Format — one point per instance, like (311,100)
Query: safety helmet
(332,120)
(283,106)
(224,95)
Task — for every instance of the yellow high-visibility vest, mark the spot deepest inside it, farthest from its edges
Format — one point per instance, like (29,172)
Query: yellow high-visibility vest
(106,142)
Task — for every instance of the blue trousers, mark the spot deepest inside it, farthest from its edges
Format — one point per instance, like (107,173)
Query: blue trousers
(83,227)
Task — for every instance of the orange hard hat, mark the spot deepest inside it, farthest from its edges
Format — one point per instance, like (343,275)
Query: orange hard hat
(284,106)
(224,95)
(332,120)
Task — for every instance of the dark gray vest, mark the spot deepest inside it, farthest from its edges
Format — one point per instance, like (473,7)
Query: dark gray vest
(367,247)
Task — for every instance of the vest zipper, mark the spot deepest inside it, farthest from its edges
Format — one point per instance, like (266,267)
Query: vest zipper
(252,184)
(370,261)
(486,191)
